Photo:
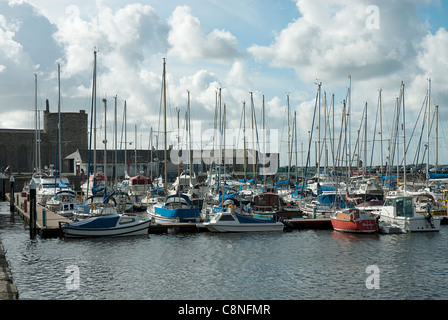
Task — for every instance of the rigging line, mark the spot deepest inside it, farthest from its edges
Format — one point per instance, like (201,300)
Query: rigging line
(239,129)
(374,134)
(309,143)
(415,126)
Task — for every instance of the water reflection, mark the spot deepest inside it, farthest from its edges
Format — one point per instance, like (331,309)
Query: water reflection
(308,264)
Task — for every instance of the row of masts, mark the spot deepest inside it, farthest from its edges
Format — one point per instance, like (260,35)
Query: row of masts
(341,152)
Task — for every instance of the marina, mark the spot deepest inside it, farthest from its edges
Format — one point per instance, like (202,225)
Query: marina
(184,162)
(273,214)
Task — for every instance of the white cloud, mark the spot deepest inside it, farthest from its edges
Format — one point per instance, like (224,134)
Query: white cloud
(9,49)
(330,40)
(433,56)
(190,42)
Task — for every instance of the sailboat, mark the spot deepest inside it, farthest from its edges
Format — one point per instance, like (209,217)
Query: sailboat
(178,207)
(48,188)
(96,183)
(398,214)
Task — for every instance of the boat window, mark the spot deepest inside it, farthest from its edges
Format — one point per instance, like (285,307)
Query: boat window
(126,220)
(226,217)
(389,203)
(404,207)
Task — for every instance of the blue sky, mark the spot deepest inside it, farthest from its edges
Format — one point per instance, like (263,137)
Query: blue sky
(268,47)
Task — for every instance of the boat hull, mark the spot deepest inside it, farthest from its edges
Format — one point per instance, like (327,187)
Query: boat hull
(418,223)
(241,223)
(356,226)
(99,227)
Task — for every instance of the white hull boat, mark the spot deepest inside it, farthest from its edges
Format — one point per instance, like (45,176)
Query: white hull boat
(398,214)
(113,225)
(230,221)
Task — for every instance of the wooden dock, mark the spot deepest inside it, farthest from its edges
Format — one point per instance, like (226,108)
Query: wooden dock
(47,222)
(310,223)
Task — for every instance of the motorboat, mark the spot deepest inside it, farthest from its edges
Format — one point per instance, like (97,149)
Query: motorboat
(354,220)
(399,213)
(46,188)
(422,201)
(225,219)
(64,203)
(112,225)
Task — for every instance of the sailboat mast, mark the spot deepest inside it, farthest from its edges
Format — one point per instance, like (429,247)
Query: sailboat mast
(287,152)
(253,138)
(264,144)
(135,150)
(125,142)
(94,113)
(404,137)
(105,144)
(349,123)
(244,139)
(165,129)
(115,142)
(428,130)
(35,122)
(437,137)
(190,160)
(381,129)
(295,143)
(59,121)
(150,148)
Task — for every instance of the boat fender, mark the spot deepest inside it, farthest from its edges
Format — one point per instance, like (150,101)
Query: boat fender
(93,206)
(352,216)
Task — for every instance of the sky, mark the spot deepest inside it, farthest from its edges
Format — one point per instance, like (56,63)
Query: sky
(277,49)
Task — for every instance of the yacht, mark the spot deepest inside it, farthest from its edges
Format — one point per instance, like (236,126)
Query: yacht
(398,214)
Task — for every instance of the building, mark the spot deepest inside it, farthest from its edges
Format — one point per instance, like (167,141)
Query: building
(17,146)
(151,163)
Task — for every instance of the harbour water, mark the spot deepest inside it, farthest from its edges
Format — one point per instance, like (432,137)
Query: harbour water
(295,265)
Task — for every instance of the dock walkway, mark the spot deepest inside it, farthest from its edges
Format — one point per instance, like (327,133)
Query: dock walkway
(47,222)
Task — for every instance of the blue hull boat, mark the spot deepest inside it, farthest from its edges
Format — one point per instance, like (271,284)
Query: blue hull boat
(112,225)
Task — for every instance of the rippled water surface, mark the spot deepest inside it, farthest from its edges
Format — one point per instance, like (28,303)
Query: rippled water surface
(310,264)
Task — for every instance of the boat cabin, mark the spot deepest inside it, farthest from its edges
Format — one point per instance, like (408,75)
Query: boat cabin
(348,214)
(178,201)
(267,202)
(403,206)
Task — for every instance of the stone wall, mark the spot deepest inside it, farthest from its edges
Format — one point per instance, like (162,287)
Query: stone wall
(17,145)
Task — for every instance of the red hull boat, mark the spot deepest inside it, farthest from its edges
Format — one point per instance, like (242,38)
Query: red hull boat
(354,220)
